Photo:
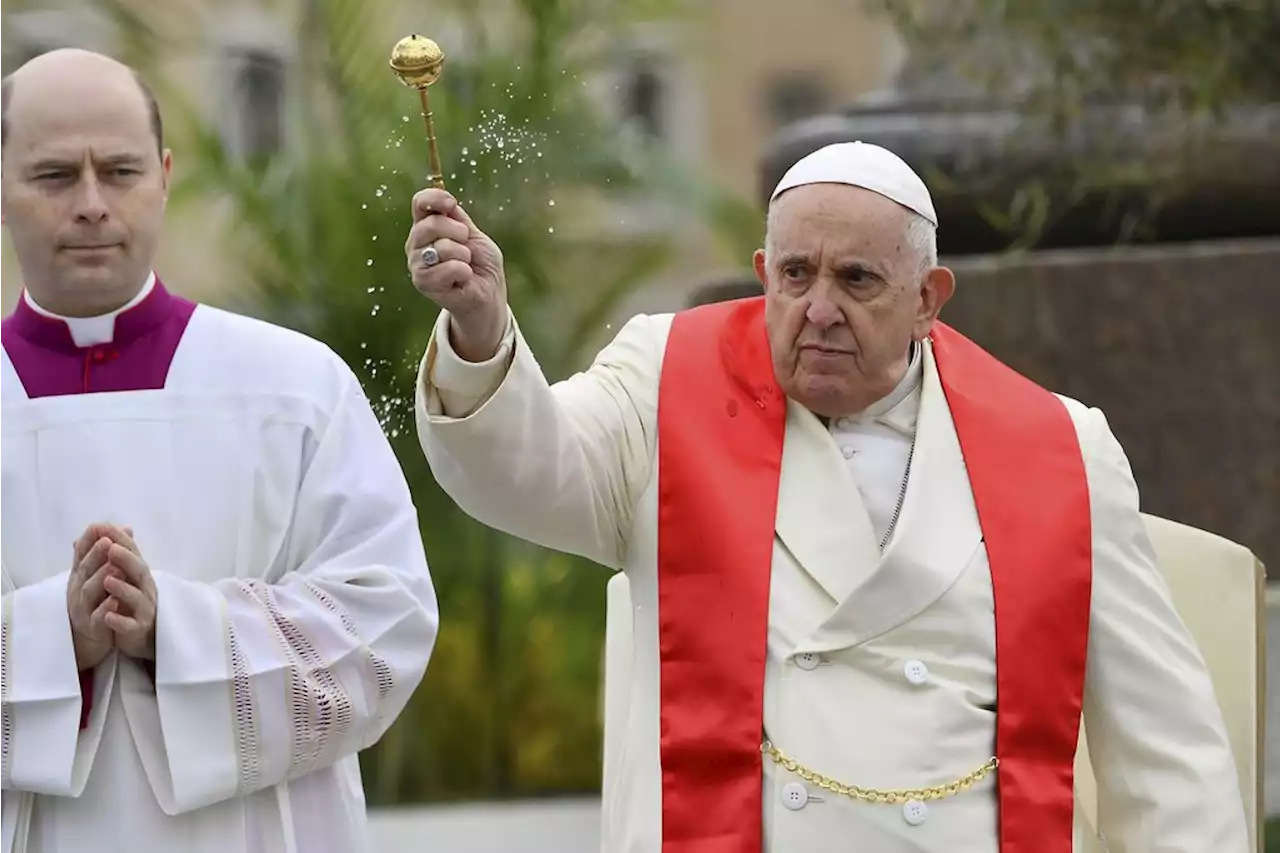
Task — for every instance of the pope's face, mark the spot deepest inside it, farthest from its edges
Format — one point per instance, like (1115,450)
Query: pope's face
(845,295)
(84,187)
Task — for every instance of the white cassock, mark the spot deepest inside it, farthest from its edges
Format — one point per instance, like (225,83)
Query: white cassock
(875,678)
(295,613)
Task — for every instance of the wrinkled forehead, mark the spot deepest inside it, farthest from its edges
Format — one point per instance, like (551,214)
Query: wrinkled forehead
(827,213)
(75,119)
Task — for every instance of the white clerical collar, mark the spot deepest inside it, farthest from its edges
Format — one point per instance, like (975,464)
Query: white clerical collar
(91,331)
(898,409)
(910,381)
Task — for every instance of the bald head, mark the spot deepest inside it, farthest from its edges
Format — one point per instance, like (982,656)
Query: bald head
(68,73)
(85,180)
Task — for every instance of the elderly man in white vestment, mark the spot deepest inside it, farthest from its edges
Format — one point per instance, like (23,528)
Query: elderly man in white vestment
(215,591)
(877,578)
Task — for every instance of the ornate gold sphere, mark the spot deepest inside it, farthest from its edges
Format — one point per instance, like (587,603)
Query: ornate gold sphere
(417,61)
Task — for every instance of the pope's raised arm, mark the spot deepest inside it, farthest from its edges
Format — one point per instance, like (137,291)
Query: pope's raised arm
(318,662)
(560,465)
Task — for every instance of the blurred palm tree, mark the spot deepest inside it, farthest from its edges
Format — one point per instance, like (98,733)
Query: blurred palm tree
(510,704)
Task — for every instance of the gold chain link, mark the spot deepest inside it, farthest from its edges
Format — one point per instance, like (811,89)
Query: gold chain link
(871,795)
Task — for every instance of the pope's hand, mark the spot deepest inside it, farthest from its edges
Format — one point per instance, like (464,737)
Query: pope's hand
(88,601)
(133,620)
(466,278)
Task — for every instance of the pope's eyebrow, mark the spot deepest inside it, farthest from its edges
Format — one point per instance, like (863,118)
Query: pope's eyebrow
(864,268)
(793,258)
(857,267)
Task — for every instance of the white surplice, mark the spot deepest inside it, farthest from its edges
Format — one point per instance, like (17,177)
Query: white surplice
(296,615)
(880,666)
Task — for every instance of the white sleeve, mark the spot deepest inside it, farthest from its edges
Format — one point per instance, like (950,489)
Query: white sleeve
(44,749)
(258,683)
(1166,775)
(455,388)
(558,465)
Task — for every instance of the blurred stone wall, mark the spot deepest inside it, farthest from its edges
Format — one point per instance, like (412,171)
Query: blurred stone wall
(1178,344)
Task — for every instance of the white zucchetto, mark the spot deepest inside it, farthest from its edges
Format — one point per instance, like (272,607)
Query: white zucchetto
(861,164)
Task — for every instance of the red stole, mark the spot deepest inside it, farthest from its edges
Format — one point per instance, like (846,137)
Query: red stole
(721,422)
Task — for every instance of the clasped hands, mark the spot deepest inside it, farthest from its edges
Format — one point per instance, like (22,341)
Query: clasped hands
(111,597)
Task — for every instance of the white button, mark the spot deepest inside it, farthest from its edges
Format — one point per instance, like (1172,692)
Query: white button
(808,661)
(843,423)
(847,451)
(915,812)
(916,672)
(795,796)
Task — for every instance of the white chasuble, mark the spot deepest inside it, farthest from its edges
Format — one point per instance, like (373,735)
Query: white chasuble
(295,612)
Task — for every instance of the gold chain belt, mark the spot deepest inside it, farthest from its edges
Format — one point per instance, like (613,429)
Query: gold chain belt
(871,795)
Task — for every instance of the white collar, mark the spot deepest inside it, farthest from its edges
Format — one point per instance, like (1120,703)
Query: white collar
(897,409)
(91,331)
(910,382)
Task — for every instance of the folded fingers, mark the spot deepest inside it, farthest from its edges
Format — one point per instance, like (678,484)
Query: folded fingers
(136,602)
(98,623)
(95,588)
(435,228)
(133,567)
(88,564)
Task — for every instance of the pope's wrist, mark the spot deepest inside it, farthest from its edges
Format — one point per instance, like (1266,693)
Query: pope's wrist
(477,339)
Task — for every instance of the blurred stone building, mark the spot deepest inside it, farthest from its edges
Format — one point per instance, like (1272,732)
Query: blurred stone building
(708,87)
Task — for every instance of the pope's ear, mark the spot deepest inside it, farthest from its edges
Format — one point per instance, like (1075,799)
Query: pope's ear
(762,271)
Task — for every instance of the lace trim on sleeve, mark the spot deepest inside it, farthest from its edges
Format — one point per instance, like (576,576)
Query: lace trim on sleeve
(320,708)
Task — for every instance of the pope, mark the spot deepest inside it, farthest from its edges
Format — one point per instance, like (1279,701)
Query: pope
(877,577)
(215,589)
